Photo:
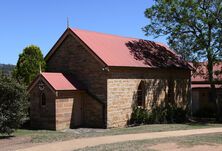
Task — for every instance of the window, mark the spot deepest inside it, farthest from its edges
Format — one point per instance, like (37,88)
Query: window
(43,99)
(141,95)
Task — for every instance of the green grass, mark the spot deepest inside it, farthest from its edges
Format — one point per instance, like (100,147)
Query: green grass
(186,141)
(39,136)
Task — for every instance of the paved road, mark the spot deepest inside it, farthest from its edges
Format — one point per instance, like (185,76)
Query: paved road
(93,141)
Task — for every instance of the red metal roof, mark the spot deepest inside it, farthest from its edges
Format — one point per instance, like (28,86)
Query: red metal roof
(130,52)
(200,74)
(58,81)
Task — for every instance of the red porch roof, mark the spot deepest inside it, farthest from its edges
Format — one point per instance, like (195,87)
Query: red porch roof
(59,81)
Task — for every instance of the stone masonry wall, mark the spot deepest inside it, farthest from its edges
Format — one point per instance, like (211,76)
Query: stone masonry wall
(64,109)
(79,110)
(122,91)
(42,117)
(72,57)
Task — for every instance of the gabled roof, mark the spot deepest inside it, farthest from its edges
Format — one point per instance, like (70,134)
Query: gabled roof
(115,50)
(58,81)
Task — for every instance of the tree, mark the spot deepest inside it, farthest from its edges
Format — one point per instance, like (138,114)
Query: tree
(13,105)
(193,27)
(7,69)
(28,65)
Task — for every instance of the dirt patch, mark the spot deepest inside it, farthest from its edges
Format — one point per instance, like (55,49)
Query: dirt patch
(14,143)
(176,147)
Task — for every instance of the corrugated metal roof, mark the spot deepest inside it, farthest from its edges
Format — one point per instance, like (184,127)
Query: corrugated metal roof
(201,74)
(58,81)
(130,52)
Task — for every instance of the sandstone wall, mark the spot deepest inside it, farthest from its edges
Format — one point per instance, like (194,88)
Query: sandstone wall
(122,89)
(64,109)
(42,117)
(73,57)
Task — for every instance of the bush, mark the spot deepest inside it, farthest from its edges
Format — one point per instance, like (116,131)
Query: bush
(13,105)
(158,115)
(139,116)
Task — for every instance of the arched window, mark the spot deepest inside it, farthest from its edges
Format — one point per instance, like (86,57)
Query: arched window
(43,99)
(141,95)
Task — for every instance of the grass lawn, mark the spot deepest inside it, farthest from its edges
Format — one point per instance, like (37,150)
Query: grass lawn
(43,136)
(144,145)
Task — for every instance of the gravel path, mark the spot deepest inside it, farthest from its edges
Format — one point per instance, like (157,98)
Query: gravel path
(88,142)
(175,147)
(12,143)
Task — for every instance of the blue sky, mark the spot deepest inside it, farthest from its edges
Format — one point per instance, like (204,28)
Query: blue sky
(41,22)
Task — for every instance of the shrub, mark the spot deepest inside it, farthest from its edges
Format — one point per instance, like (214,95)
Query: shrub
(175,114)
(158,115)
(139,116)
(13,105)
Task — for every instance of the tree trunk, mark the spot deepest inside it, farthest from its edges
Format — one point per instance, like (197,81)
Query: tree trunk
(213,91)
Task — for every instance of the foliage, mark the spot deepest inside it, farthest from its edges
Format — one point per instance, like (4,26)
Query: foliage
(193,28)
(6,69)
(140,116)
(13,105)
(158,115)
(28,65)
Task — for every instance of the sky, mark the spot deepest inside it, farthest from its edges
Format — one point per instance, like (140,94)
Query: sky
(42,22)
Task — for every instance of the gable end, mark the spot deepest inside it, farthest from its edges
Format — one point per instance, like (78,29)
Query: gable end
(63,37)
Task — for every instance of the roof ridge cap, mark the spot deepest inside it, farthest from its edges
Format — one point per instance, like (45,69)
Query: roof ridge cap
(110,34)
